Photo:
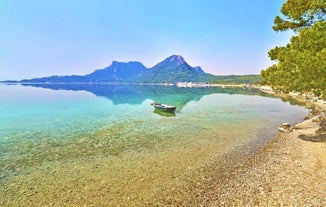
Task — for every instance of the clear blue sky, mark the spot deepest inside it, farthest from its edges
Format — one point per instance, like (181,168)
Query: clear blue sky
(64,37)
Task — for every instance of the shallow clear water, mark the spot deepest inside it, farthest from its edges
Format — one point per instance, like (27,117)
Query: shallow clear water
(67,128)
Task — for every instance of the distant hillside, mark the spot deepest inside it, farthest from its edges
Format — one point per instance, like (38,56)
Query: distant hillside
(236,79)
(118,72)
(171,70)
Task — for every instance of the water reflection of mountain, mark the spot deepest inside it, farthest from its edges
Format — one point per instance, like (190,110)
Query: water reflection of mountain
(136,94)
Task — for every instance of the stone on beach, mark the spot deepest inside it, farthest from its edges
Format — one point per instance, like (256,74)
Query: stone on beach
(307,123)
(285,127)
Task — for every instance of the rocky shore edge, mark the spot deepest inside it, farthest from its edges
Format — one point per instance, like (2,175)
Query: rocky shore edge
(290,170)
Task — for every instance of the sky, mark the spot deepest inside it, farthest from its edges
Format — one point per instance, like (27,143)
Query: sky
(64,37)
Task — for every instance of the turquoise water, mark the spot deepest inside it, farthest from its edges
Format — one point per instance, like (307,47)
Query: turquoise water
(55,126)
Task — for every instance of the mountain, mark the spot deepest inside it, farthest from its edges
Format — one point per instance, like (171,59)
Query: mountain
(118,72)
(173,69)
(199,69)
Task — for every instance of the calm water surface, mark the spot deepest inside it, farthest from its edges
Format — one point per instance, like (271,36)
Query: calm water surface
(105,145)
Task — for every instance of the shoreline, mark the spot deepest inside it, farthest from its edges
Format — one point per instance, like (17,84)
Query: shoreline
(289,170)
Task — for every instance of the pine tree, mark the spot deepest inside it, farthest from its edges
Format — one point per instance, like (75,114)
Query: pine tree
(301,64)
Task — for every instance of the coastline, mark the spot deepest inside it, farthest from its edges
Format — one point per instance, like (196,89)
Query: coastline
(288,171)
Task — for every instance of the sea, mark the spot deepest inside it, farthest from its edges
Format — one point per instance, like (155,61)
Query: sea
(105,145)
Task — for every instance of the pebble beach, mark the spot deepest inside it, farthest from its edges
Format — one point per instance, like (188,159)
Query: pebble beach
(288,171)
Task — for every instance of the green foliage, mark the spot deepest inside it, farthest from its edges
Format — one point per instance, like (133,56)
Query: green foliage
(300,14)
(301,64)
(172,74)
(236,79)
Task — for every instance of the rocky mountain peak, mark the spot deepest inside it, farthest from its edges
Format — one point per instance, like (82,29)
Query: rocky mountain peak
(176,59)
(199,69)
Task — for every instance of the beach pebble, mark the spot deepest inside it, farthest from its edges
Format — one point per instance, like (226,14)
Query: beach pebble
(285,127)
(286,124)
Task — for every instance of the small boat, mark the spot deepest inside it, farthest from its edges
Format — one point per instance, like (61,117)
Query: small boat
(163,107)
(164,113)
